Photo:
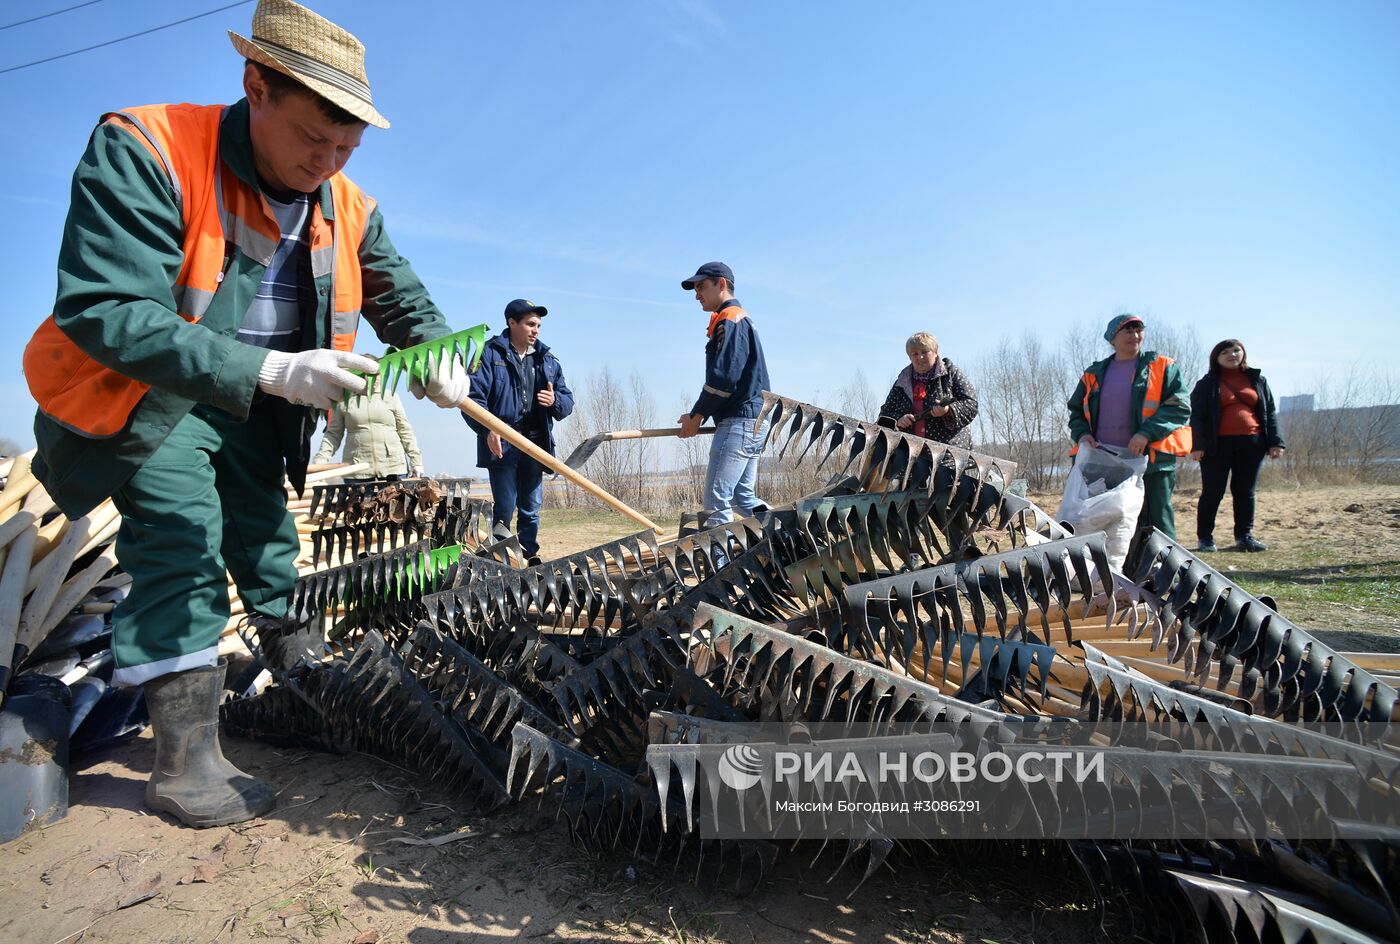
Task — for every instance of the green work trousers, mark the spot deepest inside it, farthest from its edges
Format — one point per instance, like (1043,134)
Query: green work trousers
(211,499)
(1157,511)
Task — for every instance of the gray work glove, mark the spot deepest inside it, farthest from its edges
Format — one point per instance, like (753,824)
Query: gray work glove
(448,383)
(314,378)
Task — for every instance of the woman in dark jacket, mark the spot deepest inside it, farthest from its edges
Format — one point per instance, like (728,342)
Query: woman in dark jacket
(1233,426)
(932,397)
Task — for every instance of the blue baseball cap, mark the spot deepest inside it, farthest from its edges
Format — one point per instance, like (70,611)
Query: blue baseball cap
(710,270)
(521,307)
(1118,322)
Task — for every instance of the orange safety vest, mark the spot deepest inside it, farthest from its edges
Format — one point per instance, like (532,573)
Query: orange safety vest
(1175,443)
(221,214)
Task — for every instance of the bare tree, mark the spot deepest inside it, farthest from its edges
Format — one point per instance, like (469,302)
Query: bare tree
(1021,396)
(1376,429)
(858,399)
(640,411)
(1354,433)
(1181,344)
(607,411)
(687,491)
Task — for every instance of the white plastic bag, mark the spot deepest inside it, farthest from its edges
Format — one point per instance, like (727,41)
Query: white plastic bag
(1104,492)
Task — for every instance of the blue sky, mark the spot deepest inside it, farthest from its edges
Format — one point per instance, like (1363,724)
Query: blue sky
(868,170)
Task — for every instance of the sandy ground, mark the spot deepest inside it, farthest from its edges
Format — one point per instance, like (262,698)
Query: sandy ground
(343,857)
(1333,563)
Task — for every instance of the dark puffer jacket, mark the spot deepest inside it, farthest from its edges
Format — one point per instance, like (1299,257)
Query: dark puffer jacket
(950,383)
(1205,411)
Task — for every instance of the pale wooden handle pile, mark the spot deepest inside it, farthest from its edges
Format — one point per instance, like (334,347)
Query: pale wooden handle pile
(37,589)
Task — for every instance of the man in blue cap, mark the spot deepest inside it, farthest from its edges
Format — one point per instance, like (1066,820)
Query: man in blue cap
(1136,400)
(522,383)
(735,377)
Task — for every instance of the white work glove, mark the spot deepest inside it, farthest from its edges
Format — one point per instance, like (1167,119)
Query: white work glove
(448,384)
(314,378)
(417,472)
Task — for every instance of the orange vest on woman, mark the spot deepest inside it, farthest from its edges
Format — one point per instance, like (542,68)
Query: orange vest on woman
(221,215)
(1175,443)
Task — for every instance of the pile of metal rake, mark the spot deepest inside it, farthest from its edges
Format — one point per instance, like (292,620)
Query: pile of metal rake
(913,589)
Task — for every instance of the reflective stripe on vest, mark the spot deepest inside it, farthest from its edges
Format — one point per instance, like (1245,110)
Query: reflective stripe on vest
(1178,441)
(220,214)
(1175,443)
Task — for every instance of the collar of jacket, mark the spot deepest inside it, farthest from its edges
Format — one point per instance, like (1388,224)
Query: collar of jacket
(719,315)
(905,380)
(1251,372)
(236,150)
(501,343)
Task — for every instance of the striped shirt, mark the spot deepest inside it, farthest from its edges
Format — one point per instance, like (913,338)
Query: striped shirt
(273,319)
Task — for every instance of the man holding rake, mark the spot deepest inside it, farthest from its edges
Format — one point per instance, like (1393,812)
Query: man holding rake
(214,269)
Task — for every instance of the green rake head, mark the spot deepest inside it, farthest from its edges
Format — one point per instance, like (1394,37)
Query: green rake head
(416,361)
(430,565)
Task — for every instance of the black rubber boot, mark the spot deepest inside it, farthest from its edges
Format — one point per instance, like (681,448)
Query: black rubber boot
(191,779)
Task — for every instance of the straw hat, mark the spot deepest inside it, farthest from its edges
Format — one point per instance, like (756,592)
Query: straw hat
(311,49)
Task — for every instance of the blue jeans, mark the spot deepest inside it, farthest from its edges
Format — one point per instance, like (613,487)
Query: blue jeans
(733,469)
(516,484)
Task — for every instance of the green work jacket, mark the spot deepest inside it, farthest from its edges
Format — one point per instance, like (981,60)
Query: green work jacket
(1173,413)
(121,255)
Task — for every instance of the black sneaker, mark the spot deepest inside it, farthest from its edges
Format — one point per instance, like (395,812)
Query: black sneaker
(1206,547)
(1250,543)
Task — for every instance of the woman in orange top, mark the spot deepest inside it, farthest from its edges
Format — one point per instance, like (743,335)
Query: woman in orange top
(1233,426)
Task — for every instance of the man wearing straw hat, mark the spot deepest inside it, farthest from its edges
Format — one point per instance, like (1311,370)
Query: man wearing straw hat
(214,269)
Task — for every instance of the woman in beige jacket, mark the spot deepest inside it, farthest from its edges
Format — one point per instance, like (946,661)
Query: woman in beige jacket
(379,436)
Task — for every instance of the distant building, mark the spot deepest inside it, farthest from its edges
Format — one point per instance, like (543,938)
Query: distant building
(1302,403)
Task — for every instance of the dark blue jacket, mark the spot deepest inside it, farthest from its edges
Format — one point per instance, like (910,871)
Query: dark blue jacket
(496,386)
(735,372)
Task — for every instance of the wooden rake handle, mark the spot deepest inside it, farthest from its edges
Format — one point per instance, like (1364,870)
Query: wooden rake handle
(493,423)
(618,434)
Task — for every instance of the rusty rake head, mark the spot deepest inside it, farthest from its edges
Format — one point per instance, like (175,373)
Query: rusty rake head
(357,500)
(464,521)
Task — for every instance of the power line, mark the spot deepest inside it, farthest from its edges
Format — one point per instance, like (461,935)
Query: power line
(122,39)
(45,16)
